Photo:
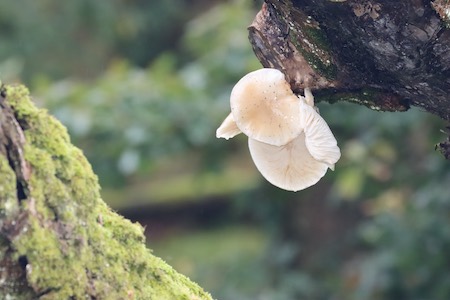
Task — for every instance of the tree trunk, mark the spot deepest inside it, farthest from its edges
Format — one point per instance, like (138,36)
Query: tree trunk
(387,55)
(58,239)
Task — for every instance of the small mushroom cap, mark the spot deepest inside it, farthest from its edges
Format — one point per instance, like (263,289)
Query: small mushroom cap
(265,108)
(320,141)
(290,167)
(228,128)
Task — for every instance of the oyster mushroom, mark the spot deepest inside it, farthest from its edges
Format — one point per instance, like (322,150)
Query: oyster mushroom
(228,128)
(265,108)
(290,143)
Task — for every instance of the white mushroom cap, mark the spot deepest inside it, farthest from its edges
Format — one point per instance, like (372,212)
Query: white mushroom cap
(228,128)
(290,167)
(320,141)
(303,161)
(265,108)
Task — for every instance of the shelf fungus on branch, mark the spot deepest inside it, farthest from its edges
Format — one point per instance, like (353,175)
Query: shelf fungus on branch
(290,143)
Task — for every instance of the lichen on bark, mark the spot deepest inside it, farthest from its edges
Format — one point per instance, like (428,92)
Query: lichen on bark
(58,239)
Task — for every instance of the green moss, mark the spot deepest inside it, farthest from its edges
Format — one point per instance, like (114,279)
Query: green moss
(315,50)
(318,36)
(8,203)
(75,246)
(308,38)
(13,285)
(366,97)
(372,98)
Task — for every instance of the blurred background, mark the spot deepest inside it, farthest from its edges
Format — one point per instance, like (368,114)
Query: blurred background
(142,87)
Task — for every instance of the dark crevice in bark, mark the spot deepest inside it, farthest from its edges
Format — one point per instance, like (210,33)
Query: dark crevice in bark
(12,143)
(2,93)
(23,262)
(21,194)
(45,293)
(444,147)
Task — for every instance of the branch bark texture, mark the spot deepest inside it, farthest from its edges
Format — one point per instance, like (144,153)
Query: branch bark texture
(387,55)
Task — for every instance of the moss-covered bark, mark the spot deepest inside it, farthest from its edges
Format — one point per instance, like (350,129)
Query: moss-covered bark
(58,239)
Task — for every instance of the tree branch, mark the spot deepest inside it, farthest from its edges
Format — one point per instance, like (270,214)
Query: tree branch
(386,55)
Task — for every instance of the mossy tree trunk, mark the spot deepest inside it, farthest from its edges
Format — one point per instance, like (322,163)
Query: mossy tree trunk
(58,239)
(387,55)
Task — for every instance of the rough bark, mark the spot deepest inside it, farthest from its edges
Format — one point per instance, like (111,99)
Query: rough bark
(58,239)
(387,55)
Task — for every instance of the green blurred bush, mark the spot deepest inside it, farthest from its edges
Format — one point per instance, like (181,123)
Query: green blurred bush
(174,105)
(57,39)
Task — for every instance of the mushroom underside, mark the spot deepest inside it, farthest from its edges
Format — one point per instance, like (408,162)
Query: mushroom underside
(290,167)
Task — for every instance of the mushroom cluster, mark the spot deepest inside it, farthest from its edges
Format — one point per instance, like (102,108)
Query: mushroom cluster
(290,143)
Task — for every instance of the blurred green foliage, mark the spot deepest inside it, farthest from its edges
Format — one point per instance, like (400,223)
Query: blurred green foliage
(172,106)
(56,39)
(142,87)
